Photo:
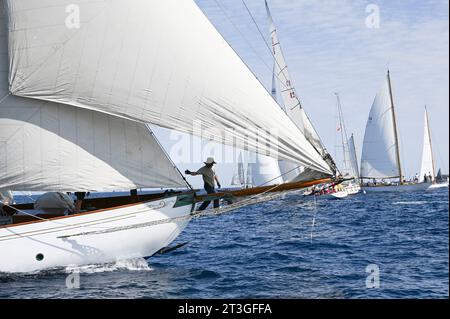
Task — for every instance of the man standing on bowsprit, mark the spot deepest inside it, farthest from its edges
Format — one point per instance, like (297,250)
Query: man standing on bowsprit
(210,179)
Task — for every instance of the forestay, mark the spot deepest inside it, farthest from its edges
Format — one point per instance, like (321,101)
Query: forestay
(159,62)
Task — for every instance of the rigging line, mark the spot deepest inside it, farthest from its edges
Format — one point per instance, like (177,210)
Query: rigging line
(250,45)
(265,42)
(314,218)
(322,145)
(5,97)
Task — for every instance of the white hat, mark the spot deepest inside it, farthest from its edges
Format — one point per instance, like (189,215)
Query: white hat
(210,160)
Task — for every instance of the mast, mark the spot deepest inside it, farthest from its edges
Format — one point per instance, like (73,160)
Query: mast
(431,145)
(342,128)
(394,121)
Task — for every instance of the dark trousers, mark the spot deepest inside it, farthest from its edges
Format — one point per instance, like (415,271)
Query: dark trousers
(209,190)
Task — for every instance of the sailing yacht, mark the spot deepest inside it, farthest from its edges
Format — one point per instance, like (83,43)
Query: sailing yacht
(76,96)
(427,170)
(349,170)
(381,168)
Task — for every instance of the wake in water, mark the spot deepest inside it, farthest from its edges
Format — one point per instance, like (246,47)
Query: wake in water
(136,264)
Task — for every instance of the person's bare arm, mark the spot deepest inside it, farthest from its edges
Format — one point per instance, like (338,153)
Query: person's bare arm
(188,172)
(217,180)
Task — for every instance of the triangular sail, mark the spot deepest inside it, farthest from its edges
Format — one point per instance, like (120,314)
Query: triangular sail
(427,167)
(289,171)
(353,158)
(249,182)
(291,101)
(159,62)
(47,146)
(380,149)
(239,175)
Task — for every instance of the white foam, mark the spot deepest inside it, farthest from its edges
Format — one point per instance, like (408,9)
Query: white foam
(136,264)
(411,203)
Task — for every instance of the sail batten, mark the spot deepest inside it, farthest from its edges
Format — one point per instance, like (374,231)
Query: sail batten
(158,62)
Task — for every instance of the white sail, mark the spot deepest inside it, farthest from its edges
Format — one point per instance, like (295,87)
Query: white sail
(249,182)
(289,171)
(159,62)
(265,171)
(239,174)
(346,169)
(427,167)
(353,158)
(46,146)
(379,154)
(291,101)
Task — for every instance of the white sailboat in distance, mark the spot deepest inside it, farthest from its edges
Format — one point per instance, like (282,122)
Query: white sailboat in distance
(381,167)
(427,170)
(75,101)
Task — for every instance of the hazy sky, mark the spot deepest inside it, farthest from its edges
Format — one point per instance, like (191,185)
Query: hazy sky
(329,48)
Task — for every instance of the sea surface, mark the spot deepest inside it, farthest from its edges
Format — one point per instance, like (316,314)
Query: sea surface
(389,245)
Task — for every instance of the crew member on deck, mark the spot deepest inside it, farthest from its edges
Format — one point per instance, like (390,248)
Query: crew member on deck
(209,178)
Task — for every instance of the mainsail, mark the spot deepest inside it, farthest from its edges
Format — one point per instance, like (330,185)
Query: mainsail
(347,169)
(427,167)
(353,158)
(158,62)
(46,146)
(239,174)
(292,104)
(380,154)
(289,171)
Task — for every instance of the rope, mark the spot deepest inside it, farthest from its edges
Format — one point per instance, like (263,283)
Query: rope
(314,218)
(5,97)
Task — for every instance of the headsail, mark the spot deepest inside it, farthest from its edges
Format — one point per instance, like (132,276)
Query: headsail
(346,169)
(47,146)
(159,62)
(427,167)
(353,158)
(380,155)
(291,99)
(239,174)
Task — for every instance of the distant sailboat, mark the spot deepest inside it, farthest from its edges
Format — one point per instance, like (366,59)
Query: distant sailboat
(381,168)
(239,174)
(427,170)
(75,101)
(349,169)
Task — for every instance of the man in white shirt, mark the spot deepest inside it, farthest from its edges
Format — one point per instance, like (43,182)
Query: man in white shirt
(209,178)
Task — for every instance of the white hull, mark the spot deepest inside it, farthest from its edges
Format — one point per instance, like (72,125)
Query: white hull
(99,237)
(437,186)
(339,195)
(396,188)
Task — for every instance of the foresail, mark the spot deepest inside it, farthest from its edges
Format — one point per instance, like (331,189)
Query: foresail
(291,101)
(353,158)
(379,154)
(46,146)
(427,166)
(159,62)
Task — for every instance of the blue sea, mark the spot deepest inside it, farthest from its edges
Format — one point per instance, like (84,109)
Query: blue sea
(388,245)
